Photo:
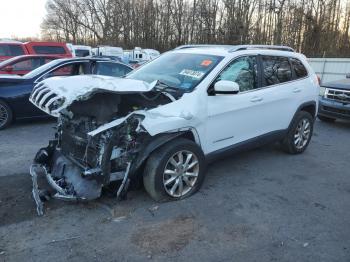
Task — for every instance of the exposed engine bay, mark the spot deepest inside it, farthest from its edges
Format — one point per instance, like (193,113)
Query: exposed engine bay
(88,153)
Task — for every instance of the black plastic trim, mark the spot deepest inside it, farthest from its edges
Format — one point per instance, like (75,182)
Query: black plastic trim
(247,145)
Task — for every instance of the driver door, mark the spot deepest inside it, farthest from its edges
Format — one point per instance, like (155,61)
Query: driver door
(234,118)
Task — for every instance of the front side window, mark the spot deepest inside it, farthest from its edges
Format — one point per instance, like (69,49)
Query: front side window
(243,71)
(276,70)
(299,69)
(179,70)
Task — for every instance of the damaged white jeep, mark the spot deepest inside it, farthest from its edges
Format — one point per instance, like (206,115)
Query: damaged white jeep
(165,121)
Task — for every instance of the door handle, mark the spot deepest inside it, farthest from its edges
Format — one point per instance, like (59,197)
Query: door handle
(256,99)
(297,90)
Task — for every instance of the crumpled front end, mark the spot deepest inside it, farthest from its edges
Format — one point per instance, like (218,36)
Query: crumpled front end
(76,166)
(104,134)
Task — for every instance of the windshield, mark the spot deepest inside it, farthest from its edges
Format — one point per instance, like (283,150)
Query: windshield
(183,71)
(43,68)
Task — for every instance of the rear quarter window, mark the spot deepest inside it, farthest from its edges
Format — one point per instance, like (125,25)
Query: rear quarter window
(49,50)
(298,67)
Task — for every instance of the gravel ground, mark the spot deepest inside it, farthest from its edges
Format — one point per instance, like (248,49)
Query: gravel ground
(261,205)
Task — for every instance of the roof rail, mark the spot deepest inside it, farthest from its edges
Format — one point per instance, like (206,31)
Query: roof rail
(204,46)
(234,48)
(270,47)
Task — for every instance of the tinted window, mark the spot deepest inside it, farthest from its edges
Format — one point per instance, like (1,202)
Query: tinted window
(299,68)
(276,70)
(11,50)
(82,53)
(49,50)
(16,50)
(243,71)
(26,65)
(112,69)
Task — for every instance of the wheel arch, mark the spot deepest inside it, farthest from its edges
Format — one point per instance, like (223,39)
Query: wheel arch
(159,140)
(309,107)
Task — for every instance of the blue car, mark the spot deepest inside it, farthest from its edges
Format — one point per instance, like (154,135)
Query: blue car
(15,90)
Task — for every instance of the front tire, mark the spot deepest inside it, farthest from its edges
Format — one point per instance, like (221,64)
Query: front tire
(299,133)
(174,171)
(6,115)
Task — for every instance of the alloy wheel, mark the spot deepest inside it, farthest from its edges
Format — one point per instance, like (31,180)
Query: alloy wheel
(180,173)
(3,115)
(302,133)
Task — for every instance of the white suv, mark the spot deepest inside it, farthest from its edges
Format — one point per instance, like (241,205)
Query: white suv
(166,120)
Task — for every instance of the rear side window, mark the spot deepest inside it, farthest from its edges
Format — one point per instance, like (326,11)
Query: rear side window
(49,50)
(11,50)
(276,70)
(299,69)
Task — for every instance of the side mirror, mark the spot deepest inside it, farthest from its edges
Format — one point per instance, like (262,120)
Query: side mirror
(8,68)
(226,87)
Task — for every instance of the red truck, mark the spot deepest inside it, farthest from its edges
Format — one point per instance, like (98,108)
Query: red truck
(10,49)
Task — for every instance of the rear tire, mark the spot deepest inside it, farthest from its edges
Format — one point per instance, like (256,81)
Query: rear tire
(326,119)
(299,133)
(174,171)
(6,115)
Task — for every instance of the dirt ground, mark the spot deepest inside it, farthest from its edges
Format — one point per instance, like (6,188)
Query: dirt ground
(261,205)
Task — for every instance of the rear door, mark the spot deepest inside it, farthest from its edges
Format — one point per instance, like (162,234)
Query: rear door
(280,92)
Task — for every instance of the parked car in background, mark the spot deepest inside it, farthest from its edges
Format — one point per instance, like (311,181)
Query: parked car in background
(110,51)
(48,48)
(165,121)
(334,100)
(139,55)
(9,49)
(23,64)
(15,90)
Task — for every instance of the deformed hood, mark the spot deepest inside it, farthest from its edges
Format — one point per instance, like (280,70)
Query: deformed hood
(57,93)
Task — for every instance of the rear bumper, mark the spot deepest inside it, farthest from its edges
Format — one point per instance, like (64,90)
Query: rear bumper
(333,109)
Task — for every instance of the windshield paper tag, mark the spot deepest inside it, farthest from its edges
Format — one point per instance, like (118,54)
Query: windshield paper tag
(191,73)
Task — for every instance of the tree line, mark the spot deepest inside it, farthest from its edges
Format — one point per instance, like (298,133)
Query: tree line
(318,28)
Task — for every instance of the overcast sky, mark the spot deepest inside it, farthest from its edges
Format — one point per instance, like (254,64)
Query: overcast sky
(21,18)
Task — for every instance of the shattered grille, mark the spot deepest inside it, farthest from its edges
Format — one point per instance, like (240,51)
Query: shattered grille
(76,147)
(45,99)
(342,96)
